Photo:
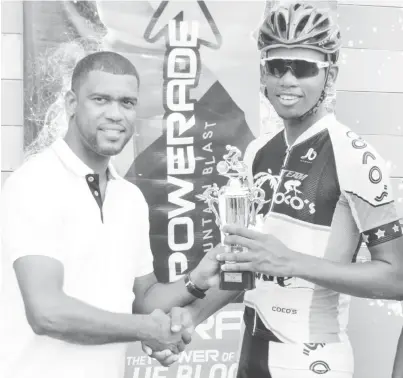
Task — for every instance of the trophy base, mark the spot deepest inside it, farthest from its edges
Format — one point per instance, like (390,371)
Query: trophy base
(238,281)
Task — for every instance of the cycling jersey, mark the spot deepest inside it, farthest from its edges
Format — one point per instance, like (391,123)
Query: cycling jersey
(263,358)
(324,195)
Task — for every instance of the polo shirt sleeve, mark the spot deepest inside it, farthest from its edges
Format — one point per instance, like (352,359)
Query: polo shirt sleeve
(31,222)
(143,248)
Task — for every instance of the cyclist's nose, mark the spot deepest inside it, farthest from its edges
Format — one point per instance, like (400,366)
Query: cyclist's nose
(288,78)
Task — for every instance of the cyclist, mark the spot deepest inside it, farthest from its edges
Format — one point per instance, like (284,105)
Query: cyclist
(326,191)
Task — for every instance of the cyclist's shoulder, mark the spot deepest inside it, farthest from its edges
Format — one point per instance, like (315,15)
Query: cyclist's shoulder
(350,148)
(360,168)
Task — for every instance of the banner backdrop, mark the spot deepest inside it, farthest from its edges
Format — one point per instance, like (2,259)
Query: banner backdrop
(199,73)
(199,70)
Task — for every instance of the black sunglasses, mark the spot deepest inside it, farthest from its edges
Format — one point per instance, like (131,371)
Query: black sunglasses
(301,68)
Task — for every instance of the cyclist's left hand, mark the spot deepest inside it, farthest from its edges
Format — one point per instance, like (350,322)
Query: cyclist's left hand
(266,254)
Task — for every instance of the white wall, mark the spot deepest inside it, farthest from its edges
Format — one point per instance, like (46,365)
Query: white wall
(12,115)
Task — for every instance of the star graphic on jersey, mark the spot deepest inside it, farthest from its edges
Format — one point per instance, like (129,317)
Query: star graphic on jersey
(365,238)
(380,233)
(396,228)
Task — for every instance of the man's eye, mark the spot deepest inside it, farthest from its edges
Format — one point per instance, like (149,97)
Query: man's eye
(99,100)
(130,103)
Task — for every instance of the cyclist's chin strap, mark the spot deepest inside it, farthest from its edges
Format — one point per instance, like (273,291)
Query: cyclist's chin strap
(316,107)
(321,98)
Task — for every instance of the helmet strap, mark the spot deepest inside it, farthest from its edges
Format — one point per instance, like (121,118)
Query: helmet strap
(322,97)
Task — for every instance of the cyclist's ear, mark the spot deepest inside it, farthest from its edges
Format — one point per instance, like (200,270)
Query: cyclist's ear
(333,73)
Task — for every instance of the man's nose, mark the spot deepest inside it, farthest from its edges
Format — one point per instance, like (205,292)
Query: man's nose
(113,111)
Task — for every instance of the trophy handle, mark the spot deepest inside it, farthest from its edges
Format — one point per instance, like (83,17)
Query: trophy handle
(257,197)
(211,197)
(232,162)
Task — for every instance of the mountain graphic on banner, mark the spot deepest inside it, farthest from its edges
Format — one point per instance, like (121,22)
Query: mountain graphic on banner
(218,122)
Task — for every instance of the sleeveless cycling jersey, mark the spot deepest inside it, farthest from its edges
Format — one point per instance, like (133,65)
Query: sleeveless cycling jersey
(325,194)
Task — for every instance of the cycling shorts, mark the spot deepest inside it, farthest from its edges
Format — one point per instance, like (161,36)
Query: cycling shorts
(262,355)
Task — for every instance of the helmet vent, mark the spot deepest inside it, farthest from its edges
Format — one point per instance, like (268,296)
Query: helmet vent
(282,25)
(324,24)
(317,18)
(321,37)
(302,24)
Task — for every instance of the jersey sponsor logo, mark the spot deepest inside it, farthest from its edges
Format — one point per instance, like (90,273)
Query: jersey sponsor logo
(285,282)
(295,175)
(262,177)
(310,156)
(281,281)
(375,173)
(310,347)
(356,141)
(366,156)
(292,197)
(292,185)
(320,367)
(284,310)
(382,195)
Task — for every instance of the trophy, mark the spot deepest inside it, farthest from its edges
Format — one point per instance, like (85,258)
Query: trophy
(237,203)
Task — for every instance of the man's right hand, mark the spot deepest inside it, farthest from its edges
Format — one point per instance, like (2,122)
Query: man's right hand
(179,330)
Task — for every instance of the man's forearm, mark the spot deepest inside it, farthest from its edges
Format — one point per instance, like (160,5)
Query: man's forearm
(398,364)
(164,297)
(74,321)
(375,279)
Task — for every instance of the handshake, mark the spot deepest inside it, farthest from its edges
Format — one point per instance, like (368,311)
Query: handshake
(172,332)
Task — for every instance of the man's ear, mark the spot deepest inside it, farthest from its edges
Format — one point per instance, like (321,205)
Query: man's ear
(333,73)
(70,102)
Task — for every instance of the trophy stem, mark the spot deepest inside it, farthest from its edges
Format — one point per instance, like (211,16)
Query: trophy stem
(234,208)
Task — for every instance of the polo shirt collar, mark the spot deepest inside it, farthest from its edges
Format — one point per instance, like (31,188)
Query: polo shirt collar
(75,164)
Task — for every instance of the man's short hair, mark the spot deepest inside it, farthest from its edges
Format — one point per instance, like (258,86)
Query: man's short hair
(106,61)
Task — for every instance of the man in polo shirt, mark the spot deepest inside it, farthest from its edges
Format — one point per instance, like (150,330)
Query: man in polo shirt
(74,237)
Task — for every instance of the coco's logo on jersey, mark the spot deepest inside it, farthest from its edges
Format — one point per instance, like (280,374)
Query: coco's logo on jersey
(292,197)
(263,177)
(285,310)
